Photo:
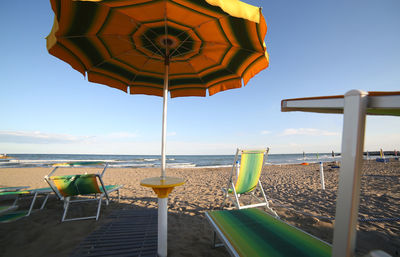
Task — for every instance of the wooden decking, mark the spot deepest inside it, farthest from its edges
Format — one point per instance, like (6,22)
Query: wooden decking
(129,233)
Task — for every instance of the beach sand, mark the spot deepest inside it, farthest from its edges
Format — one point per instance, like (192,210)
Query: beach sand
(295,191)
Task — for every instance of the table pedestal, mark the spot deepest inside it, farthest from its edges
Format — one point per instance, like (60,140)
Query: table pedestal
(162,187)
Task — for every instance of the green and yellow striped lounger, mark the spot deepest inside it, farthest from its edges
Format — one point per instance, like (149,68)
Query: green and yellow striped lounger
(12,216)
(77,185)
(252,232)
(5,211)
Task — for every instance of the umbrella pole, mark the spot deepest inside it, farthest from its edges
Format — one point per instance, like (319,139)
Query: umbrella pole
(164,119)
(162,246)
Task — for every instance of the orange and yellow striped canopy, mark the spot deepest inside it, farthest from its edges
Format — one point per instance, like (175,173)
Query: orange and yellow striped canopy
(209,45)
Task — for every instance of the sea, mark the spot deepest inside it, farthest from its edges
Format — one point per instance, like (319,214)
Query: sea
(149,161)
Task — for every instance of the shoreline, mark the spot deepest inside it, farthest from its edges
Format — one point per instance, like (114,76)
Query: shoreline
(294,190)
(190,164)
(150,161)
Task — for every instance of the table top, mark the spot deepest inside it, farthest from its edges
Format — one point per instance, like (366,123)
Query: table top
(157,182)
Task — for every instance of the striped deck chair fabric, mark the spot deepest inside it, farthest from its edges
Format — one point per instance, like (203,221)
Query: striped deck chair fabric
(69,186)
(245,180)
(73,185)
(250,167)
(12,216)
(252,232)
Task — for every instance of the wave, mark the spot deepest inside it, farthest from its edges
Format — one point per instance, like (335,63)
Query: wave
(151,160)
(181,165)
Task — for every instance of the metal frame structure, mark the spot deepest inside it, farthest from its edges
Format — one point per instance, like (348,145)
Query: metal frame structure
(355,105)
(36,192)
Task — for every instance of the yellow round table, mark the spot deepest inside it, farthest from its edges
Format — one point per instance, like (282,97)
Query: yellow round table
(162,187)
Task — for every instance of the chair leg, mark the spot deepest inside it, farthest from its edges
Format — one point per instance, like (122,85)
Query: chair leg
(98,209)
(223,202)
(44,201)
(266,200)
(66,205)
(106,196)
(32,204)
(215,244)
(15,201)
(237,203)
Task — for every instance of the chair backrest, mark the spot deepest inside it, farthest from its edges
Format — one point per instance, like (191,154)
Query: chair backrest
(72,185)
(251,164)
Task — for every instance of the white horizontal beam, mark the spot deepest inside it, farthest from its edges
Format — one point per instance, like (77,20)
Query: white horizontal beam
(378,103)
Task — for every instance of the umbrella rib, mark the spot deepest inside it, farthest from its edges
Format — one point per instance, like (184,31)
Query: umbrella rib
(203,55)
(114,57)
(138,24)
(211,20)
(136,74)
(215,62)
(176,49)
(114,35)
(151,42)
(197,74)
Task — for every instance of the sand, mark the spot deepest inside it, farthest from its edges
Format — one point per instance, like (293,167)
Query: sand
(295,193)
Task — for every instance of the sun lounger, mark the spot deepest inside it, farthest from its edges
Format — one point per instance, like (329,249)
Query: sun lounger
(11,191)
(252,232)
(246,179)
(66,187)
(6,211)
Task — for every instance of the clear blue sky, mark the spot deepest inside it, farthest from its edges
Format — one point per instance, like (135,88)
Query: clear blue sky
(316,48)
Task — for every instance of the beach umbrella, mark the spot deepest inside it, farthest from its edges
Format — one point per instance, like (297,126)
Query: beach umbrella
(152,47)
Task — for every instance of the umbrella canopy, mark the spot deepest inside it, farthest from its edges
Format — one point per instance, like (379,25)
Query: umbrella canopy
(186,47)
(210,45)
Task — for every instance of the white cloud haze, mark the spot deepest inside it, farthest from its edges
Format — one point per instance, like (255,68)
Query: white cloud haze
(308,131)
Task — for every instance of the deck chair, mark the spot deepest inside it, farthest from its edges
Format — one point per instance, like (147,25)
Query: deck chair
(253,232)
(13,192)
(66,187)
(246,179)
(6,212)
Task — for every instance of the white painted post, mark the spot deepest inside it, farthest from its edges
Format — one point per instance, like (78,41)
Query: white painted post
(162,246)
(344,235)
(163,202)
(164,122)
(321,173)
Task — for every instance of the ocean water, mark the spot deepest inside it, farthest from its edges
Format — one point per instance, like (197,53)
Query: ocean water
(148,161)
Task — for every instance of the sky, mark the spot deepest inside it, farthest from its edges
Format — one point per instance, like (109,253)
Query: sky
(316,48)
